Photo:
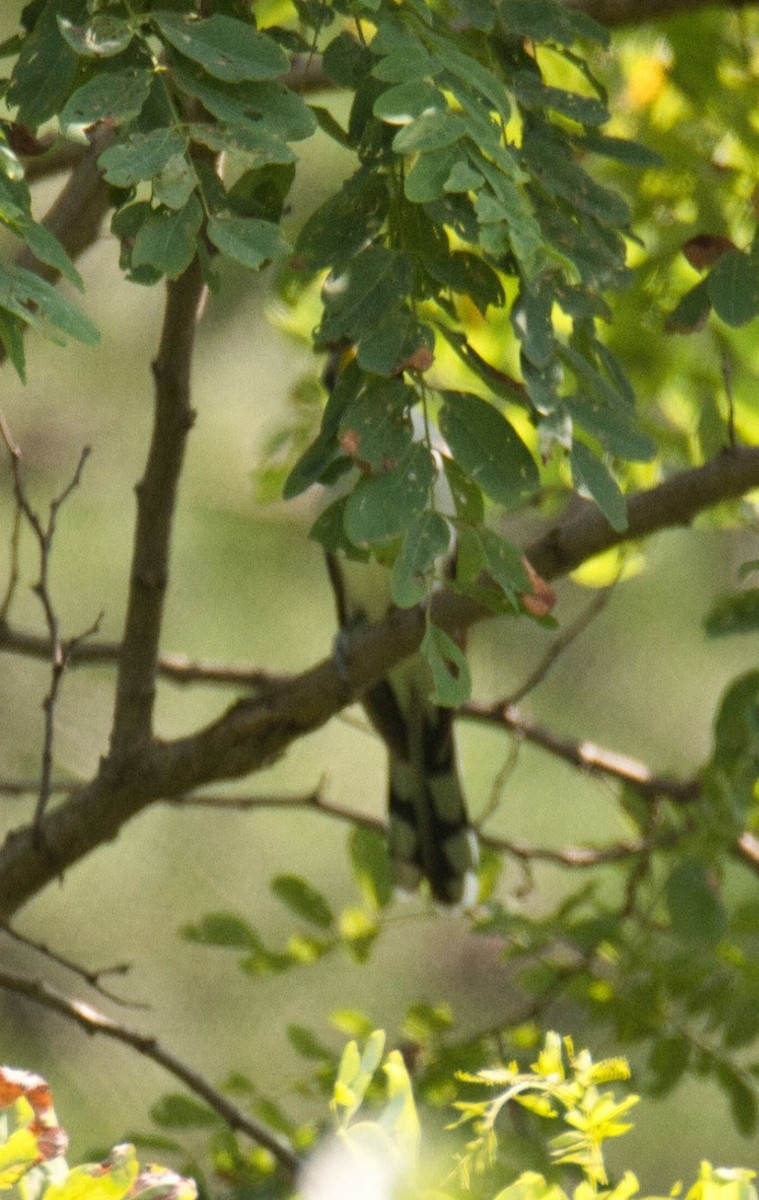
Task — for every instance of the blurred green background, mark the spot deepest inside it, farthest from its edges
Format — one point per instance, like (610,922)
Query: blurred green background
(247,586)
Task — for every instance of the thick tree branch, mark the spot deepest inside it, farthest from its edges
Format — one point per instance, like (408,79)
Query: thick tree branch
(258,730)
(156,502)
(92,1021)
(675,502)
(636,12)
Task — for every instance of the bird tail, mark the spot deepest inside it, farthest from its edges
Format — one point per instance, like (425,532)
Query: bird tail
(430,835)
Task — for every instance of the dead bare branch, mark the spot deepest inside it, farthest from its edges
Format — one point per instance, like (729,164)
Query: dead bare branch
(44,533)
(93,979)
(94,1022)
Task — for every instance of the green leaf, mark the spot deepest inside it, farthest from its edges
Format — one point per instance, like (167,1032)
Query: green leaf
(735,757)
(382,508)
(247,240)
(668,1061)
(377,425)
(176,1111)
(622,150)
(358,932)
(426,540)
(429,175)
(254,143)
(532,93)
(44,73)
(547,21)
(697,915)
(104,35)
(488,448)
(692,310)
(36,302)
(268,105)
(734,288)
(114,96)
(370,864)
(46,247)
(589,472)
(141,156)
(12,341)
(408,62)
(504,562)
(168,240)
(305,1042)
(402,104)
(369,289)
(223,929)
(226,48)
(467,497)
(175,182)
(17,1156)
(346,61)
(432,130)
(303,899)
(737,613)
(344,223)
(742,1097)
(531,319)
(451,678)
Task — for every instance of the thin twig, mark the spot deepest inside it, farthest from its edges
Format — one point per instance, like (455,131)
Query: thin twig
(25,787)
(175,668)
(13,572)
(575,857)
(257,730)
(44,534)
(560,643)
(58,656)
(93,1021)
(586,755)
(92,978)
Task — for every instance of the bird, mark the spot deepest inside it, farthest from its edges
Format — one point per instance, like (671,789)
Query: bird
(430,836)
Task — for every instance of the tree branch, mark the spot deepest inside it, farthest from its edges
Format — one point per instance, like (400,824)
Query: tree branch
(675,502)
(585,755)
(156,502)
(175,668)
(92,1021)
(257,730)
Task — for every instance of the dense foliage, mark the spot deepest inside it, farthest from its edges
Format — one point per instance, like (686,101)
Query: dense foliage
(531,207)
(375,1147)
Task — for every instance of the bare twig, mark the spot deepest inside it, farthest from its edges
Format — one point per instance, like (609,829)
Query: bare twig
(44,534)
(574,857)
(559,644)
(175,668)
(13,572)
(253,732)
(92,1021)
(156,502)
(92,978)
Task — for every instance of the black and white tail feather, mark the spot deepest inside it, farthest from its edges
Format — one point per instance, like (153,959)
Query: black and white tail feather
(429,832)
